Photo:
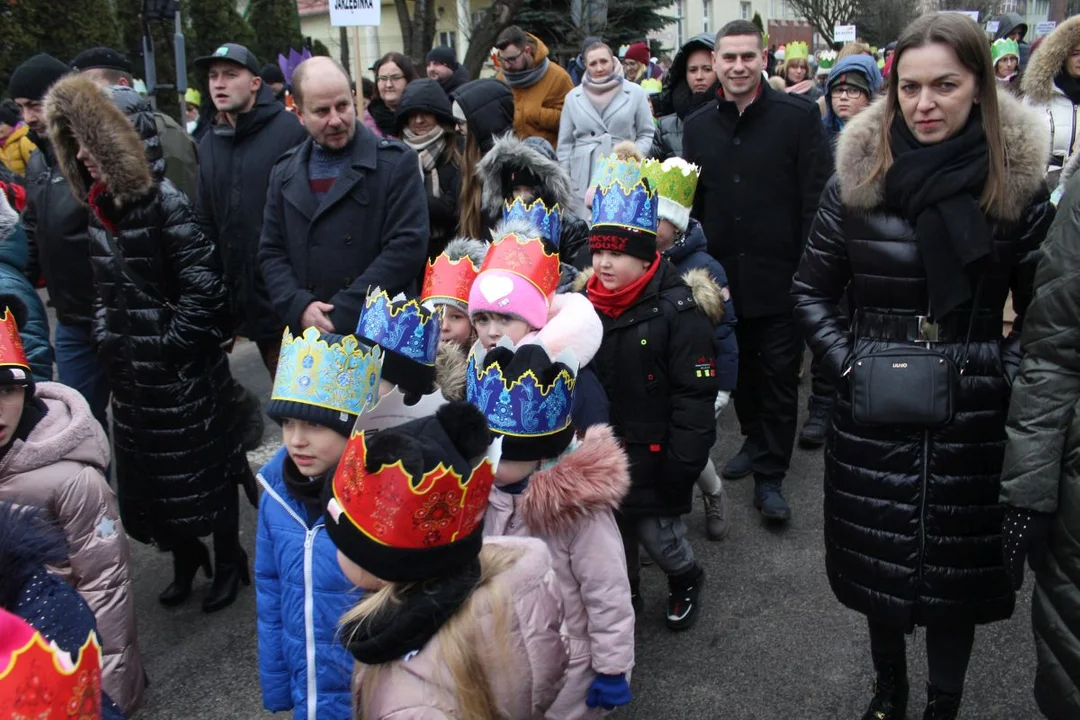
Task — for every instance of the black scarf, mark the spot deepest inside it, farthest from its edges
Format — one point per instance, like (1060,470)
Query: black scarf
(308,491)
(407,627)
(937,187)
(385,118)
(687,102)
(1068,85)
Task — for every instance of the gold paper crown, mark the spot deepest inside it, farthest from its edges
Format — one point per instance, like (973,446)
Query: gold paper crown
(342,376)
(797,50)
(673,179)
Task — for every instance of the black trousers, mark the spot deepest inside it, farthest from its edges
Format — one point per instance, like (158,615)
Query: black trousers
(948,651)
(767,396)
(822,392)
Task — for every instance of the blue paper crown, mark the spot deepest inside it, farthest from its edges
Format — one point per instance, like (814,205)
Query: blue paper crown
(612,169)
(547,221)
(401,326)
(627,206)
(342,376)
(520,406)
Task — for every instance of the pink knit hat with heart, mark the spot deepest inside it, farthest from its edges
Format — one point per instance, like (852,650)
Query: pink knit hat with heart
(507,293)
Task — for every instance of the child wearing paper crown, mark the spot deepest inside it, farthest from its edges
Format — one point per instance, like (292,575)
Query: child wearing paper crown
(447,281)
(514,296)
(657,363)
(680,239)
(323,382)
(453,625)
(550,486)
(1006,56)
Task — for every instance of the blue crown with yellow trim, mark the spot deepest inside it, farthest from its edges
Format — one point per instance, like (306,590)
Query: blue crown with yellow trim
(401,326)
(333,372)
(633,207)
(613,169)
(548,221)
(526,397)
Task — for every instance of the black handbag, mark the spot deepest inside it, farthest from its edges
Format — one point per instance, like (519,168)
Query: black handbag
(908,387)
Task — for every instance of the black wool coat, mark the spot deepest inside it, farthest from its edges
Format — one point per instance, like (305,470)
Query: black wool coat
(912,519)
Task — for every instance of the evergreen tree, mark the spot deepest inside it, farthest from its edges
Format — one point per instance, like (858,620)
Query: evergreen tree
(276,25)
(213,22)
(758,22)
(627,21)
(319,49)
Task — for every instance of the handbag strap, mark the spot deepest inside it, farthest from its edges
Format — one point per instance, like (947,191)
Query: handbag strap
(136,279)
(971,320)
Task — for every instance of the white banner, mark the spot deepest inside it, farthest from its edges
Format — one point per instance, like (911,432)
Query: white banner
(844,33)
(992,26)
(355,12)
(1045,28)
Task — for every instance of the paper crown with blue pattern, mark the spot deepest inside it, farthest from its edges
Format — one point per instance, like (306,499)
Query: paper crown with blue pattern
(526,397)
(548,221)
(408,333)
(614,168)
(325,379)
(624,219)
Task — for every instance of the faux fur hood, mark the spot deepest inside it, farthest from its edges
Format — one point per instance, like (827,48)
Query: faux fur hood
(508,152)
(67,432)
(451,364)
(8,217)
(27,544)
(572,325)
(1027,150)
(707,294)
(1037,82)
(81,113)
(591,476)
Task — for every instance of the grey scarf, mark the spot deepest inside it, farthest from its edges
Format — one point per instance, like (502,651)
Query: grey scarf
(526,78)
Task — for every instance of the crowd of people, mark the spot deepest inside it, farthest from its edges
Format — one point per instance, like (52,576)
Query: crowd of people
(502,317)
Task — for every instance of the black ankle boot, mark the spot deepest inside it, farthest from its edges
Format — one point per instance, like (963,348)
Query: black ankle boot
(187,559)
(890,691)
(684,603)
(941,705)
(227,578)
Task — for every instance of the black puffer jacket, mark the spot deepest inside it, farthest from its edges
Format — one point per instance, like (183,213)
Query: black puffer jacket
(177,452)
(488,106)
(657,365)
(234,172)
(912,520)
(676,101)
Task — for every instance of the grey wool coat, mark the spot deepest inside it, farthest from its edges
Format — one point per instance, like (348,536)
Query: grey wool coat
(586,135)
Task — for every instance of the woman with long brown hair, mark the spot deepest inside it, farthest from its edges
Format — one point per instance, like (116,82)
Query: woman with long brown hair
(484,110)
(937,203)
(393,71)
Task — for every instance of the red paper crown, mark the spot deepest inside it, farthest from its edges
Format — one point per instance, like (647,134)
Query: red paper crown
(394,509)
(38,681)
(527,258)
(11,347)
(447,279)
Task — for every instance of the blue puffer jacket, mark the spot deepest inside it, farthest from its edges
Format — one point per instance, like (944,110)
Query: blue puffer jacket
(14,257)
(301,595)
(689,253)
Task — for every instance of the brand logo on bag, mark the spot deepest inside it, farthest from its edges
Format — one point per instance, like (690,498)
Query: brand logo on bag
(899,366)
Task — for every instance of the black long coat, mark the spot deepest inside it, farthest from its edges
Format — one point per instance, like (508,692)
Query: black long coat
(178,453)
(912,520)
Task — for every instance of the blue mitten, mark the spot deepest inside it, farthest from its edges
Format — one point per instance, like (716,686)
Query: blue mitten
(608,692)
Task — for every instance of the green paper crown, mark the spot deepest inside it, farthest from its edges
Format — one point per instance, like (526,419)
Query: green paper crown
(1003,48)
(673,179)
(797,50)
(826,59)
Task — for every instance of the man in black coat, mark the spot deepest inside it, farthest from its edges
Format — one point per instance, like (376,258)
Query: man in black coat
(250,133)
(442,65)
(346,211)
(764,164)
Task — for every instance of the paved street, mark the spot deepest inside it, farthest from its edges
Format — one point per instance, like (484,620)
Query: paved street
(772,641)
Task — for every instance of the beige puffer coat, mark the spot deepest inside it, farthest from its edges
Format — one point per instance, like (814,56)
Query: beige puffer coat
(60,469)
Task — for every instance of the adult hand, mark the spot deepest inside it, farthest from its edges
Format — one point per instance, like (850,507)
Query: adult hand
(1024,535)
(722,399)
(317,315)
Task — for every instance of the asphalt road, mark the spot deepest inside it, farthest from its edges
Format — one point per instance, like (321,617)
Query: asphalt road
(772,641)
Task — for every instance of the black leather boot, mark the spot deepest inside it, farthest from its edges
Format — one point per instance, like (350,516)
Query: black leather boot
(228,574)
(188,557)
(890,691)
(941,705)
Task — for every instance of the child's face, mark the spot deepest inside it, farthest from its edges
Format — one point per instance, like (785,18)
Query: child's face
(491,327)
(525,193)
(456,327)
(357,575)
(315,449)
(616,270)
(514,471)
(666,232)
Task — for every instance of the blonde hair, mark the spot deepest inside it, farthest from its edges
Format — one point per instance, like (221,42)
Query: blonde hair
(854,48)
(471,221)
(967,40)
(464,648)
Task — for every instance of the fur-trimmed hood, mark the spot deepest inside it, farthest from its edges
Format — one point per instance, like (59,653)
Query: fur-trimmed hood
(27,544)
(572,325)
(451,364)
(1027,149)
(117,128)
(1037,82)
(591,476)
(508,152)
(67,432)
(707,294)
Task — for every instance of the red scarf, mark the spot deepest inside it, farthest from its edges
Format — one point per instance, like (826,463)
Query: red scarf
(614,303)
(99,195)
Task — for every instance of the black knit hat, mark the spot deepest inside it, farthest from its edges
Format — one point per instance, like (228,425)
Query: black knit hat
(425,95)
(33,78)
(10,113)
(443,55)
(391,520)
(513,176)
(103,58)
(271,73)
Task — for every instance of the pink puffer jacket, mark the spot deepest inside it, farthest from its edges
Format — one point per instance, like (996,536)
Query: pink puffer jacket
(570,506)
(60,469)
(525,680)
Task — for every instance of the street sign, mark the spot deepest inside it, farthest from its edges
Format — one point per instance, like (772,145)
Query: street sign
(355,12)
(1044,28)
(844,33)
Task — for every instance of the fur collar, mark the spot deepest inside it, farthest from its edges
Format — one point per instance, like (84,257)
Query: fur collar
(8,217)
(80,112)
(1037,82)
(589,478)
(707,294)
(1027,149)
(508,151)
(451,364)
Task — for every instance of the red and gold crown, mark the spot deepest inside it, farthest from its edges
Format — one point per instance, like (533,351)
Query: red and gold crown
(527,258)
(447,279)
(39,681)
(12,354)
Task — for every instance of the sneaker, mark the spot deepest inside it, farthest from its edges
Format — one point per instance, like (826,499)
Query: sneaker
(770,501)
(817,424)
(683,604)
(716,514)
(739,466)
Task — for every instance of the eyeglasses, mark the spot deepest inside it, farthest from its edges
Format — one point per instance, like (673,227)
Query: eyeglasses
(506,60)
(845,91)
(389,79)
